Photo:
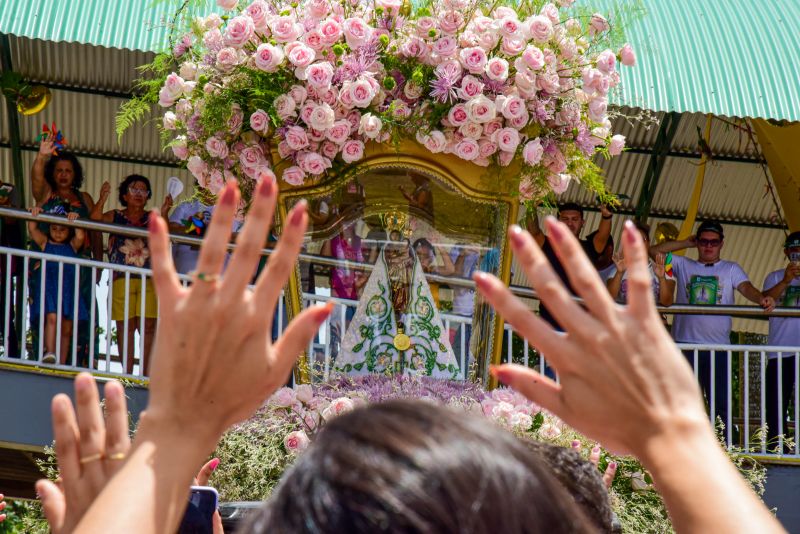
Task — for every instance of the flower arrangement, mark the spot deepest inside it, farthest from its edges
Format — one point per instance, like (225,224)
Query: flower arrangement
(317,80)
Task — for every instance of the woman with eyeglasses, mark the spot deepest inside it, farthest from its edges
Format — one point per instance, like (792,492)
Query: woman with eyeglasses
(134,192)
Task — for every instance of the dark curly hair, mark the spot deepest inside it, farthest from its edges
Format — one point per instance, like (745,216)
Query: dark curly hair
(50,170)
(128,181)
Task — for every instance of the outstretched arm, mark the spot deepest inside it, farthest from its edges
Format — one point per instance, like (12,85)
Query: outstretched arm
(532,226)
(39,186)
(603,230)
(752,294)
(672,246)
(624,382)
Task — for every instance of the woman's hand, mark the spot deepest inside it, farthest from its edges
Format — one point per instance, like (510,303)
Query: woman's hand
(71,216)
(105,191)
(623,380)
(619,261)
(35,211)
(166,206)
(89,450)
(205,379)
(46,146)
(202,480)
(659,267)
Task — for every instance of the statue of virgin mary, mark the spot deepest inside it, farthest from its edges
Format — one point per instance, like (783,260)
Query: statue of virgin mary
(397,328)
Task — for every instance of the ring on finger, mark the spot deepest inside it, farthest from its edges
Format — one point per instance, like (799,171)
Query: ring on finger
(117,456)
(91,458)
(204,277)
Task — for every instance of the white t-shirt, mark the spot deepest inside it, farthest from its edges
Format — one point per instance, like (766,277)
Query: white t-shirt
(705,285)
(185,256)
(784,331)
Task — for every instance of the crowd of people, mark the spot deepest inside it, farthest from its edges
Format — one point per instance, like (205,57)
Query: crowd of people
(405,466)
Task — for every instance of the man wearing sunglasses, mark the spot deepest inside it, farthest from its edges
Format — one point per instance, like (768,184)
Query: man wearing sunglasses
(709,281)
(784,286)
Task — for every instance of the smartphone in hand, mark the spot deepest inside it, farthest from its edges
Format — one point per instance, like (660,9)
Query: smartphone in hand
(199,515)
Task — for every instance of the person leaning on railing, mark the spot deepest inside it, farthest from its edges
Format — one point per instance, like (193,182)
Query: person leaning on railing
(134,192)
(709,281)
(11,237)
(623,383)
(784,286)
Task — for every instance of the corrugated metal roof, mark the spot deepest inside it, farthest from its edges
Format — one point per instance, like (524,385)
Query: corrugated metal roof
(736,58)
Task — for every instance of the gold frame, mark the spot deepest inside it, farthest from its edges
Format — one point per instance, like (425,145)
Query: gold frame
(470,181)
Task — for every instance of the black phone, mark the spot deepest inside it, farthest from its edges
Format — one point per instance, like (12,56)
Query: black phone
(199,515)
(5,190)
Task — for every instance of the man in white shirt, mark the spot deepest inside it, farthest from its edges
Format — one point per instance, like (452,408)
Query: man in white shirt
(784,286)
(709,281)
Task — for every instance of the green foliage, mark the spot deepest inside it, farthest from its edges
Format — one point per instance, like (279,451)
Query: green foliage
(146,91)
(22,516)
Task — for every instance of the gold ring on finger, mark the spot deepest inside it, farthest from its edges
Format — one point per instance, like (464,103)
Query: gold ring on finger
(204,277)
(91,458)
(117,456)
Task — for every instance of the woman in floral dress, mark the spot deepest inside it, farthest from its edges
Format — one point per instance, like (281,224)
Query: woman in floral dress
(134,191)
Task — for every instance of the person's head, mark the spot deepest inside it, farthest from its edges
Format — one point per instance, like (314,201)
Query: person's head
(410,466)
(59,233)
(580,478)
(424,251)
(644,230)
(63,171)
(710,238)
(135,191)
(571,214)
(791,247)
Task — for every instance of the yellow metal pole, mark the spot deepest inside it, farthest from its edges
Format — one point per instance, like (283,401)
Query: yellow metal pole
(694,203)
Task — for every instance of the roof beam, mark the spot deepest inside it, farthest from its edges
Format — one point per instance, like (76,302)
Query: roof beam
(107,157)
(658,157)
(694,155)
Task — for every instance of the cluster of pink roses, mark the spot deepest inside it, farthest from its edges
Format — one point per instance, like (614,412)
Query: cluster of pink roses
(507,86)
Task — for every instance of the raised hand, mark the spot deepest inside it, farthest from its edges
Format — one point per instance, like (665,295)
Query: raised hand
(227,368)
(610,356)
(105,191)
(89,450)
(46,145)
(619,261)
(659,267)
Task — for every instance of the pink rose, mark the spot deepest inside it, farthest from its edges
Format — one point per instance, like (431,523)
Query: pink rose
(435,141)
(616,145)
(527,189)
(313,163)
(329,149)
(540,28)
(179,148)
(259,121)
(424,25)
(471,129)
(314,39)
(285,106)
(252,157)
(296,442)
(299,54)
(451,21)
(319,75)
(551,12)
(606,61)
(445,47)
(598,24)
(306,110)
(294,175)
(533,57)
(356,32)
(265,173)
(227,58)
(174,86)
(268,57)
(340,406)
(554,159)
(331,31)
(390,6)
(486,148)
(558,182)
(497,69)
(521,121)
(414,47)
(510,26)
(213,40)
(370,126)
(352,150)
(458,114)
(322,117)
(236,118)
(304,393)
(525,81)
(283,398)
(473,59)
(197,166)
(318,8)
(597,108)
(481,109)
(507,139)
(228,5)
(513,47)
(216,147)
(513,107)
(258,12)
(339,132)
(467,149)
(533,151)
(470,87)
(188,70)
(361,93)
(285,29)
(298,94)
(627,56)
(548,82)
(296,138)
(169,120)
(283,149)
(239,31)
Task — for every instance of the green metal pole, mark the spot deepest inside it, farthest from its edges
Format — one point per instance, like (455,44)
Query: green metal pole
(6,65)
(658,157)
